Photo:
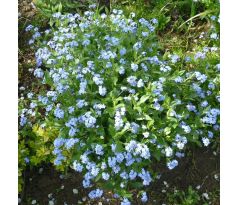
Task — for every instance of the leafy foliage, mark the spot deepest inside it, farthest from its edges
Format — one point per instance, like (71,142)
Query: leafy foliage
(112,102)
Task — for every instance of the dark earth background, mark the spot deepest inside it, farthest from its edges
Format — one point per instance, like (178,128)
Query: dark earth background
(196,169)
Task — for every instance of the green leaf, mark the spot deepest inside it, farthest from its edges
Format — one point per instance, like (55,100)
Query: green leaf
(150,124)
(119,147)
(98,178)
(167,130)
(157,155)
(147,117)
(143,99)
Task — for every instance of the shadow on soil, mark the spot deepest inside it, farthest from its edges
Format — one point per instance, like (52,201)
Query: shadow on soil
(198,168)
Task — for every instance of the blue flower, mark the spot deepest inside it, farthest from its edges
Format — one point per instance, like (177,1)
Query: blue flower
(31,41)
(59,159)
(125,202)
(140,83)
(121,70)
(187,59)
(108,65)
(58,142)
(105,176)
(38,73)
(178,79)
(211,86)
(204,104)
(102,90)
(86,42)
(137,46)
(144,197)
(59,113)
(174,58)
(134,67)
(97,80)
(95,194)
(77,166)
(88,120)
(199,55)
(186,128)
(205,141)
(132,80)
(111,161)
(30,95)
(132,175)
(81,103)
(145,175)
(172,164)
(33,105)
(57,15)
(122,51)
(71,109)
(124,175)
(214,36)
(29,27)
(23,120)
(70,143)
(72,132)
(168,152)
(145,34)
(99,149)
(154,21)
(134,127)
(191,108)
(201,77)
(26,159)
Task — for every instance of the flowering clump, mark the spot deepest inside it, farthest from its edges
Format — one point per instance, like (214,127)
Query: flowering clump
(117,104)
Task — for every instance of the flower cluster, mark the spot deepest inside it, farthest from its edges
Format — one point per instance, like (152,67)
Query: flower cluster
(116,102)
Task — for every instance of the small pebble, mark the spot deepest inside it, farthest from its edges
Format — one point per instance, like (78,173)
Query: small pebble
(50,195)
(205,195)
(51,202)
(166,184)
(33,5)
(75,191)
(19,200)
(41,170)
(84,198)
(62,187)
(33,202)
(198,187)
(216,177)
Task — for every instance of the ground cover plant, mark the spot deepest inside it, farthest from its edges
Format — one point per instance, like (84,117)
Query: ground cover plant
(110,102)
